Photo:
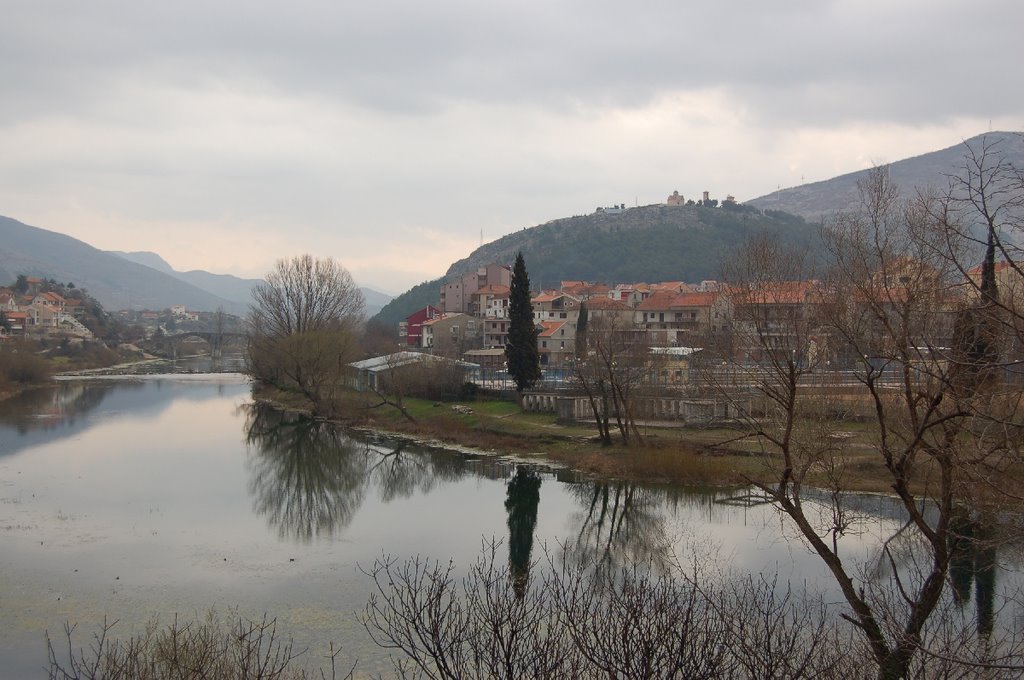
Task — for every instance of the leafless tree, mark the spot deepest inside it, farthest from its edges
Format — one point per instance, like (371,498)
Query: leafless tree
(577,621)
(612,373)
(888,310)
(304,324)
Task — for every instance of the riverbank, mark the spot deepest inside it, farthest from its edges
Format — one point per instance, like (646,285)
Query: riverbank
(28,364)
(668,455)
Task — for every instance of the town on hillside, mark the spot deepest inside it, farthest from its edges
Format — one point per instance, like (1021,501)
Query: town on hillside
(39,308)
(671,319)
(35,306)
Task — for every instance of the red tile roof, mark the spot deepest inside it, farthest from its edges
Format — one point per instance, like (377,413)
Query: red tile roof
(695,300)
(550,327)
(661,299)
(494,290)
(607,304)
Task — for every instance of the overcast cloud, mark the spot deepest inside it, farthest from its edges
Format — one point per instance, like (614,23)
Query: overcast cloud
(225,135)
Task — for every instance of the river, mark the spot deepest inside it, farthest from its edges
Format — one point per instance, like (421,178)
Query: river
(161,495)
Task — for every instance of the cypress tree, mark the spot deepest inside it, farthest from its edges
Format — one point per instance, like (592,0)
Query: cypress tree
(581,331)
(521,351)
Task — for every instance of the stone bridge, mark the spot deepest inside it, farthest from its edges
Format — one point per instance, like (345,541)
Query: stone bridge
(217,341)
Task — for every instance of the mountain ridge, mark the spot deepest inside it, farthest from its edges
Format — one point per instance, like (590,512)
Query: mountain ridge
(815,200)
(119,279)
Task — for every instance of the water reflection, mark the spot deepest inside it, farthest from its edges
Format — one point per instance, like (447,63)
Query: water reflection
(306,477)
(521,501)
(309,478)
(972,548)
(621,523)
(49,413)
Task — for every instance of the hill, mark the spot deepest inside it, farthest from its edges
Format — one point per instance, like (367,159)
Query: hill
(115,282)
(230,287)
(120,280)
(417,297)
(649,243)
(813,201)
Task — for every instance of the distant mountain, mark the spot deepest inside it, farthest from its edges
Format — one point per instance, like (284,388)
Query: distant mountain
(233,288)
(375,300)
(151,260)
(417,297)
(813,201)
(116,282)
(230,287)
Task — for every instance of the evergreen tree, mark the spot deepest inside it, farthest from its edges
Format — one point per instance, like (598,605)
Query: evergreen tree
(521,351)
(581,331)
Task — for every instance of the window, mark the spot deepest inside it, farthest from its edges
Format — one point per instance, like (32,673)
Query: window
(455,330)
(543,343)
(562,315)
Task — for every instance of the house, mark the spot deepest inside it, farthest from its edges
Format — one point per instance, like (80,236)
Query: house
(410,331)
(16,322)
(552,305)
(491,301)
(450,335)
(51,301)
(457,295)
(774,317)
(556,342)
(630,293)
(8,301)
(606,308)
(495,332)
(683,318)
(1009,284)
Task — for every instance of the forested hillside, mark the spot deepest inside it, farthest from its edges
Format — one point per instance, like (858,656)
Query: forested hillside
(650,243)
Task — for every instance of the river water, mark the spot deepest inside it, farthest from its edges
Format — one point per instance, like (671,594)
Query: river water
(162,495)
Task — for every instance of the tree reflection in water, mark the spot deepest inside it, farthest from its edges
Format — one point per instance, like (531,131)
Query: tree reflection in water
(973,560)
(521,501)
(619,525)
(309,478)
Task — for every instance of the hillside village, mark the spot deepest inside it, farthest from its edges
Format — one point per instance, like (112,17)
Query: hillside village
(36,306)
(470,320)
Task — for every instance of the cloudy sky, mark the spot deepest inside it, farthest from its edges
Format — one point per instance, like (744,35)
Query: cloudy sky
(390,135)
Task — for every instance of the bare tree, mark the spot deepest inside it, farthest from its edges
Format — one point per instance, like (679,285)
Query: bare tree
(888,311)
(575,621)
(303,327)
(612,373)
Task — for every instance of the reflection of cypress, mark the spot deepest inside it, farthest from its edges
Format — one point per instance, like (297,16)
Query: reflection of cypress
(961,557)
(985,585)
(521,505)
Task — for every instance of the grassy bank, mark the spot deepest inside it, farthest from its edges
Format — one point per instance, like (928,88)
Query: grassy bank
(667,455)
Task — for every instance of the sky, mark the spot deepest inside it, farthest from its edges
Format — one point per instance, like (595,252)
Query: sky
(395,135)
